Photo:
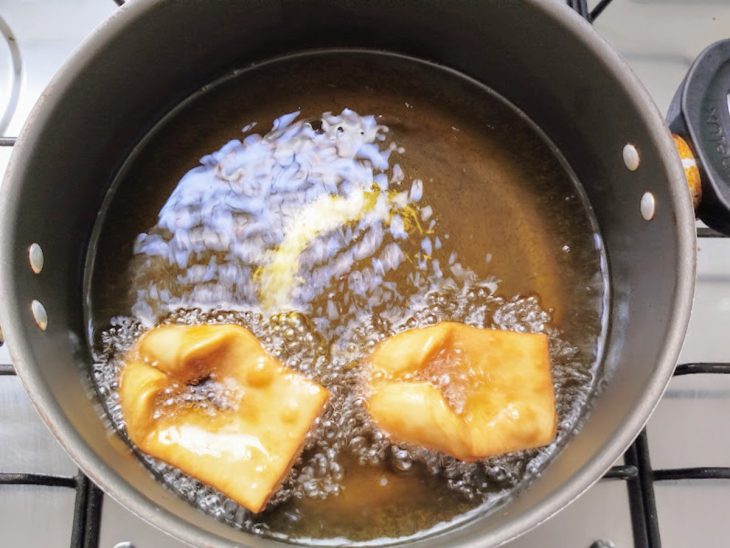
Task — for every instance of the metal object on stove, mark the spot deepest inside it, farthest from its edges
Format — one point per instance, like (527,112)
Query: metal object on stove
(700,113)
(590,87)
(11,72)
(639,477)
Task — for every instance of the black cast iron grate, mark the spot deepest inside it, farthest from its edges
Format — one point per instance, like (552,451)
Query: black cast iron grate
(636,471)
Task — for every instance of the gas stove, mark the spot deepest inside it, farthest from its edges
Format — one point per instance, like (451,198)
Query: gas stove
(671,488)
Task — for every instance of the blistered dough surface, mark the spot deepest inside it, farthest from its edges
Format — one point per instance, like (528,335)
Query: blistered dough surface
(244,448)
(468,392)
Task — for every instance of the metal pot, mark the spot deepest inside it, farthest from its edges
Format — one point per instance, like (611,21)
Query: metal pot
(151,55)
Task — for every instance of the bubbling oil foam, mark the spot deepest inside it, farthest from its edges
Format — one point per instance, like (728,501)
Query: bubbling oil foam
(344,432)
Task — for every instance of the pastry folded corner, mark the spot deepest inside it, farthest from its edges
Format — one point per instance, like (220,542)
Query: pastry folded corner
(244,450)
(468,392)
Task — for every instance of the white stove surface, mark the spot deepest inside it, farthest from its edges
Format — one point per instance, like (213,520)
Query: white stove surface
(659,38)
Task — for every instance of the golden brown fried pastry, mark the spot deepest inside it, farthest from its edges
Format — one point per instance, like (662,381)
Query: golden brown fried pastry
(244,447)
(468,392)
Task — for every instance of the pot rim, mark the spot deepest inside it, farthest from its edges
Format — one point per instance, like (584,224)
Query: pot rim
(116,487)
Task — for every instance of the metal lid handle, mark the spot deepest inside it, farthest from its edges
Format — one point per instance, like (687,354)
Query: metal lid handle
(700,116)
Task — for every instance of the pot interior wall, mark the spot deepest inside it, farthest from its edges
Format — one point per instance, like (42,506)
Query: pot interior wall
(152,55)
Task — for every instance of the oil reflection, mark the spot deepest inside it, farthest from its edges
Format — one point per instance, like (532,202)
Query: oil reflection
(313,216)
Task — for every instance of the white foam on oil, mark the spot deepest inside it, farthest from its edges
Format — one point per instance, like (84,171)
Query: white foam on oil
(344,430)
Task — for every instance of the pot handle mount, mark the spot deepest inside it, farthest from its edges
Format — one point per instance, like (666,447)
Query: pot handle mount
(699,118)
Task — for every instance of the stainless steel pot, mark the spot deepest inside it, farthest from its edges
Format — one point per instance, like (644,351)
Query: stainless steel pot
(151,55)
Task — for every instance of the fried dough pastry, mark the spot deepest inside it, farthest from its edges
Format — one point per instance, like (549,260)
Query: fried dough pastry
(468,392)
(243,448)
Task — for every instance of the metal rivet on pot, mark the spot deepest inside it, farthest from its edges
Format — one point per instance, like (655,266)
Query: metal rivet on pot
(648,206)
(631,157)
(35,257)
(124,544)
(39,314)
